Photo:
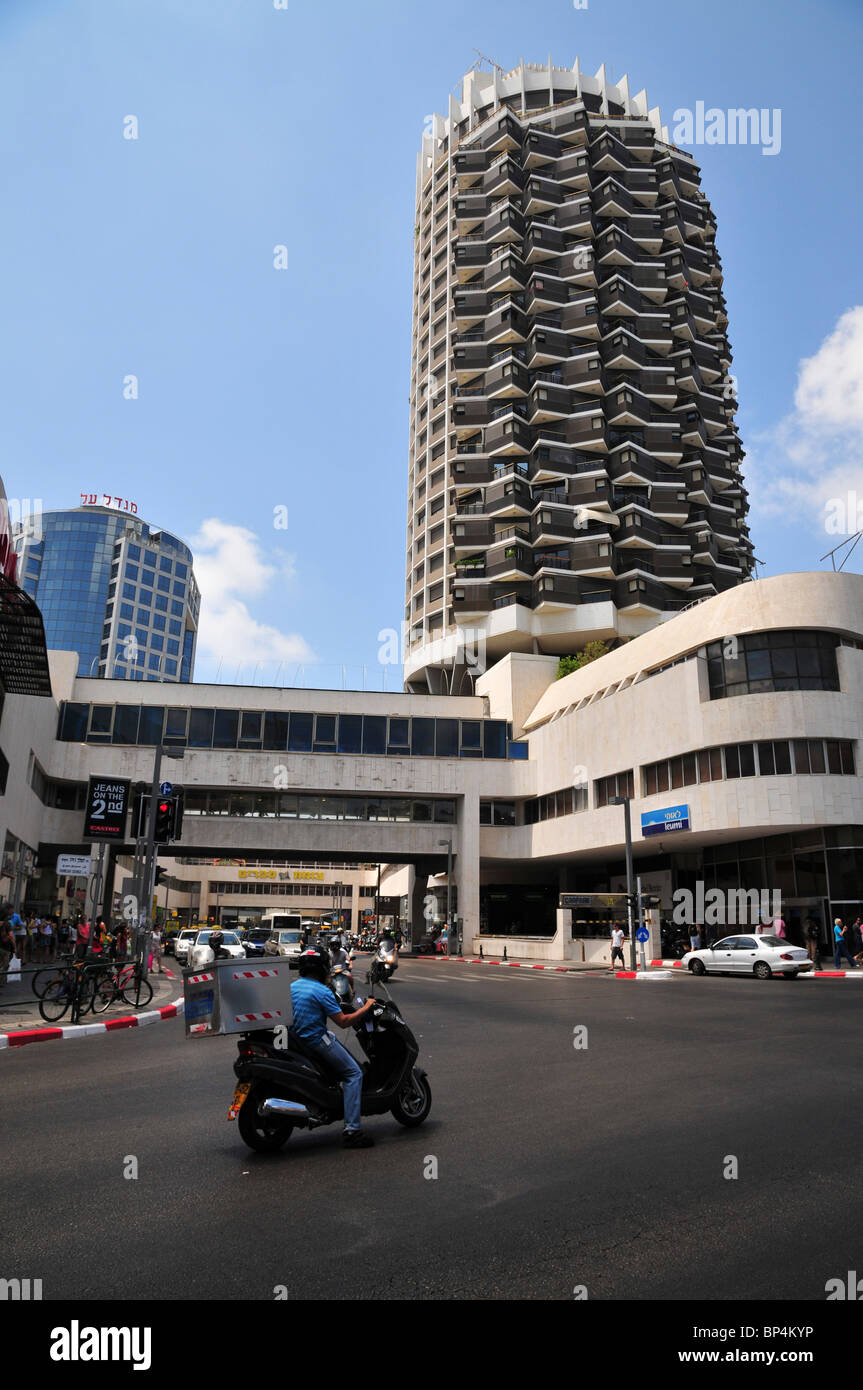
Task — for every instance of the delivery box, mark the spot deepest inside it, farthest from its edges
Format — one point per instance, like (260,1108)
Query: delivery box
(236,996)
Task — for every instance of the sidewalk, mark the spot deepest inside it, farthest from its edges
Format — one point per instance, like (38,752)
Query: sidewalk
(12,1020)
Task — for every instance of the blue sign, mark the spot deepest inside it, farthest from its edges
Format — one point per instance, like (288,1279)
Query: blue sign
(166,788)
(663,822)
(643,934)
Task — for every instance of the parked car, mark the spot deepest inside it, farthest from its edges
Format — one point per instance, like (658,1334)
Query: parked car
(201,954)
(182,944)
(761,956)
(285,942)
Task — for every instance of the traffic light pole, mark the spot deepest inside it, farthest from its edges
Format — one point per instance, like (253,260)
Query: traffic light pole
(145,907)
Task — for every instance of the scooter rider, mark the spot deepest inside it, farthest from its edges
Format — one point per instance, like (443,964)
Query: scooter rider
(313,1003)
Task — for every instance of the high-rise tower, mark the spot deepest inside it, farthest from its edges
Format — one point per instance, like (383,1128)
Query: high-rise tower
(120,593)
(574,461)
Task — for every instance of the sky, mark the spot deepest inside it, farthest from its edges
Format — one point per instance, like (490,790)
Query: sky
(267,423)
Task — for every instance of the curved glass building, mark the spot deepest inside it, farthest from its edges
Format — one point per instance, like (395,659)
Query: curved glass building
(120,593)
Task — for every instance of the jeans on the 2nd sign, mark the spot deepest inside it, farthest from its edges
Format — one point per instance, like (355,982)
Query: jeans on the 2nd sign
(338,1057)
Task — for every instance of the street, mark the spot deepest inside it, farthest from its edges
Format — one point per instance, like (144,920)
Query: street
(558,1167)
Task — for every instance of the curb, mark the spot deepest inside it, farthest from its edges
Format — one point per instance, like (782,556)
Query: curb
(831,975)
(86,1030)
(666,964)
(643,975)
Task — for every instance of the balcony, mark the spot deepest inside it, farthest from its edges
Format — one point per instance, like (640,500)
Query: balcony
(510,435)
(505,272)
(541,195)
(611,199)
(542,243)
(516,562)
(539,149)
(575,216)
(617,298)
(470,211)
(504,176)
(573,171)
(584,371)
(504,224)
(470,535)
(645,230)
(571,126)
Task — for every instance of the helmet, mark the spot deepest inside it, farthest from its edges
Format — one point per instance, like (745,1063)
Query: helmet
(316,963)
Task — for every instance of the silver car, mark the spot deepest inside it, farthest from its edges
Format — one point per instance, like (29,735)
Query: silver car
(183,944)
(761,956)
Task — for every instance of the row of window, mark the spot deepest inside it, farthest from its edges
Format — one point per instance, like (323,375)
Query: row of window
(497,813)
(760,662)
(291,890)
(162,581)
(771,758)
(277,731)
(298,806)
(148,557)
(560,803)
(145,597)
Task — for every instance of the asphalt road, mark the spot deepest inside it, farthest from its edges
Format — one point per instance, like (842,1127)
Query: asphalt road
(599,1167)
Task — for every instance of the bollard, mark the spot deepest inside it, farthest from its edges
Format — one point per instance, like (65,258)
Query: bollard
(480,950)
(504,953)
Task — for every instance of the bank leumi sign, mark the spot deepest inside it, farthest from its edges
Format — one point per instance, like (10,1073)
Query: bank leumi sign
(665,821)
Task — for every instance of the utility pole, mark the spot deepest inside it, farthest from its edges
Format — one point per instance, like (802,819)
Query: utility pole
(630,886)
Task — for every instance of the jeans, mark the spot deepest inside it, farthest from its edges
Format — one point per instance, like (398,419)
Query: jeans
(842,950)
(338,1057)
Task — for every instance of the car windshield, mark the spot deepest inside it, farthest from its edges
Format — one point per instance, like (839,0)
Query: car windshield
(289,938)
(229,938)
(774,941)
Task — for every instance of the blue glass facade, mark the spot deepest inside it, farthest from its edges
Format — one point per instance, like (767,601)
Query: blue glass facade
(94,574)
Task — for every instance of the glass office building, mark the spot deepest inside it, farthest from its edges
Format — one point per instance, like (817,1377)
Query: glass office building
(120,593)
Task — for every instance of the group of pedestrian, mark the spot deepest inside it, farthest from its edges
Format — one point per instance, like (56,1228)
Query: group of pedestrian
(848,940)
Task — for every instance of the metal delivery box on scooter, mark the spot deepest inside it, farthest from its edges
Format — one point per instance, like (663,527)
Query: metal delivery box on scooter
(235,996)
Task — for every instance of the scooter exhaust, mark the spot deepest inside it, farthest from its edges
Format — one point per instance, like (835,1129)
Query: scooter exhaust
(285,1110)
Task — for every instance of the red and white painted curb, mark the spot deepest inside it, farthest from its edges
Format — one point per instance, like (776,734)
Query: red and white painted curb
(666,964)
(831,975)
(643,975)
(86,1030)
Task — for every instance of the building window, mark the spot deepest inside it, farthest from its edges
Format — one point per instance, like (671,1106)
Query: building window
(607,788)
(772,661)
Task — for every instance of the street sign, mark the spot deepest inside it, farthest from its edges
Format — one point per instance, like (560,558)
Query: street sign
(663,822)
(107,804)
(76,864)
(166,788)
(642,934)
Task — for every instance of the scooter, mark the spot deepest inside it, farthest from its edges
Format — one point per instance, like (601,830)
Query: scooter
(282,1089)
(385,962)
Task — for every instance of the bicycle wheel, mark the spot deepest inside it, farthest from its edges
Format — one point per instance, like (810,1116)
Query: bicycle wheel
(130,993)
(104,992)
(56,998)
(86,992)
(42,979)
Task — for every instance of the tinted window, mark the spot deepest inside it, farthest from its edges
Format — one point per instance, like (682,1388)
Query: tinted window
(494,738)
(300,740)
(422,738)
(126,724)
(225,728)
(446,739)
(150,725)
(276,730)
(201,728)
(374,733)
(350,733)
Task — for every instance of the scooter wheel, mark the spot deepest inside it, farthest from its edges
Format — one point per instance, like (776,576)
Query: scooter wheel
(413,1102)
(261,1133)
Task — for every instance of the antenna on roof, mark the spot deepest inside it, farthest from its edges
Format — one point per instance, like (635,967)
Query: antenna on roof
(831,554)
(484,58)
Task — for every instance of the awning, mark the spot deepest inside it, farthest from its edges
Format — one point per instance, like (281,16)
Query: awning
(23,655)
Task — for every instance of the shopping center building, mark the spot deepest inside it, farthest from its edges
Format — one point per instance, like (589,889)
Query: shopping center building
(733,728)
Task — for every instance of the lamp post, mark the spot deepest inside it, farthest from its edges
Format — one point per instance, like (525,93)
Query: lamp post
(449,929)
(627,821)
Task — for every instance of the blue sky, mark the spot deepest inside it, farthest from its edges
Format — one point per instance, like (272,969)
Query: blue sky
(262,389)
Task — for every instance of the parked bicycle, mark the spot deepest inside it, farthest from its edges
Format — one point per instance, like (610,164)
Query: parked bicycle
(121,980)
(75,984)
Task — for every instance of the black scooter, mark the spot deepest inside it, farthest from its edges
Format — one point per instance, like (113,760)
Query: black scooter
(286,1088)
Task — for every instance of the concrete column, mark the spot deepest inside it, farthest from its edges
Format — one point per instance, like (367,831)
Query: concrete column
(466,874)
(416,900)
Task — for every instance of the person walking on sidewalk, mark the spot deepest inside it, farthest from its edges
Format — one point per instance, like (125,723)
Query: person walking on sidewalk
(813,940)
(617,945)
(840,932)
(156,949)
(7,947)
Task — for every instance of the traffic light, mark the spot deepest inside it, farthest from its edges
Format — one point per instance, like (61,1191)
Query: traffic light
(160,874)
(165,808)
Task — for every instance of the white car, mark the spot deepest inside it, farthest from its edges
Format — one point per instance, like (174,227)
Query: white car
(201,953)
(183,944)
(761,956)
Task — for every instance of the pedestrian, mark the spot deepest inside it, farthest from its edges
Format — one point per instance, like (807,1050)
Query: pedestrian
(7,946)
(813,940)
(779,928)
(16,922)
(64,936)
(840,932)
(156,949)
(695,939)
(82,940)
(617,945)
(857,939)
(48,938)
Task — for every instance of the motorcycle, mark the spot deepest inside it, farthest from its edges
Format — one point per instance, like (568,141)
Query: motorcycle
(385,963)
(280,1090)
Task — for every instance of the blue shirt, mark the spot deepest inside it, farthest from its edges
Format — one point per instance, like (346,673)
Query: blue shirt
(313,1004)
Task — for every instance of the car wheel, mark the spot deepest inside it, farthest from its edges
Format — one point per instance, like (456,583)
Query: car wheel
(761,970)
(696,967)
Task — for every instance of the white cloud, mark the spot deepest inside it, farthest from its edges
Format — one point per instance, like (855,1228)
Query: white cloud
(809,467)
(231,567)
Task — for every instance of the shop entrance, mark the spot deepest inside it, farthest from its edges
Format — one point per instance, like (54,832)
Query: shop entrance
(795,911)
